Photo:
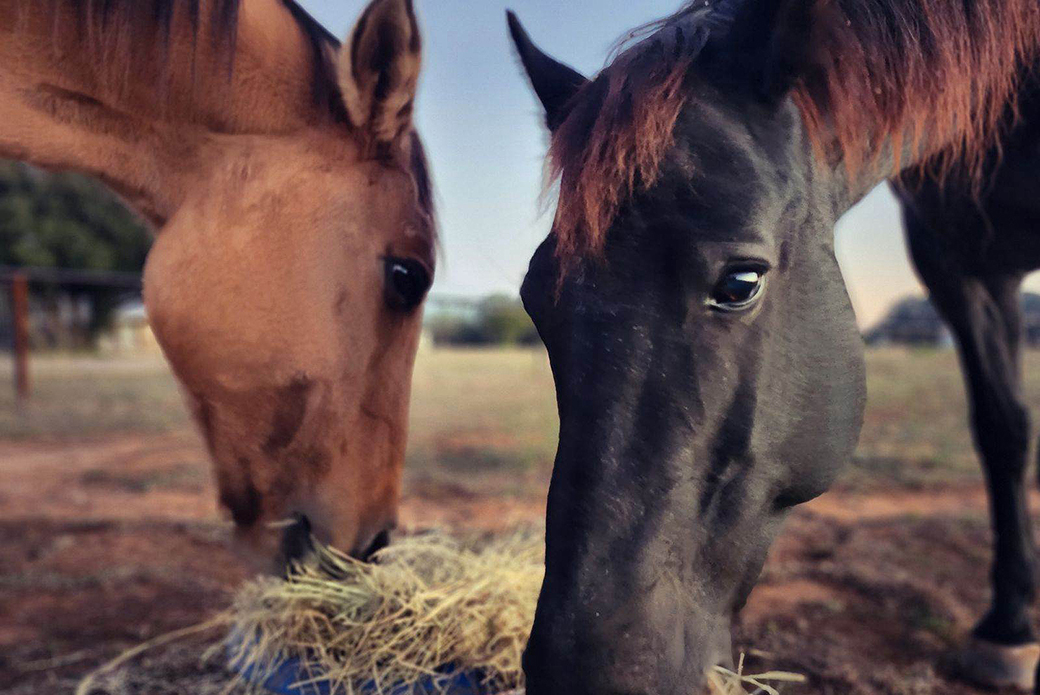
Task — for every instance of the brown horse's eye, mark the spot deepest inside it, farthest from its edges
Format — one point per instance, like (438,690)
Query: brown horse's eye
(737,290)
(407,283)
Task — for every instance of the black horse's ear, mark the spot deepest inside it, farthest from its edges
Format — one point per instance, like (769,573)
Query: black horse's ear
(765,41)
(553,82)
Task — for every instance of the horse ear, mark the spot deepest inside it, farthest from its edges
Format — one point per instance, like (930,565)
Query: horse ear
(553,82)
(767,41)
(378,70)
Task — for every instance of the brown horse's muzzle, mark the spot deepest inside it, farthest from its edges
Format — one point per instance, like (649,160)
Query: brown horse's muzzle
(298,543)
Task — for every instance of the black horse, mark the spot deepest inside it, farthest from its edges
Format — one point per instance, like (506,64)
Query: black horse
(708,369)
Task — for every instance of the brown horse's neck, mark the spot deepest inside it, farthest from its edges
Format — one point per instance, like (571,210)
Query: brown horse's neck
(140,118)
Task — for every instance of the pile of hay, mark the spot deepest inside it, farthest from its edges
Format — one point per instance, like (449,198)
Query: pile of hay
(426,602)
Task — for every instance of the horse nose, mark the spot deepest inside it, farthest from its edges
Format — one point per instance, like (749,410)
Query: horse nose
(659,650)
(623,664)
(380,541)
(552,671)
(297,542)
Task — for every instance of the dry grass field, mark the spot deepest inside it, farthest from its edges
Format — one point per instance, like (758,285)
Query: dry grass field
(480,411)
(109,533)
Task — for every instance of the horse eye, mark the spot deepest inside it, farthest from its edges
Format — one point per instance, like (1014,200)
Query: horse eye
(737,290)
(407,282)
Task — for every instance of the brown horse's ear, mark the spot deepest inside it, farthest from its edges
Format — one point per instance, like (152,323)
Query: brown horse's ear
(378,69)
(553,82)
(765,41)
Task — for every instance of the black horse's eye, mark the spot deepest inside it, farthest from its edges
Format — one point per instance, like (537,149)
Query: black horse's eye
(407,282)
(738,290)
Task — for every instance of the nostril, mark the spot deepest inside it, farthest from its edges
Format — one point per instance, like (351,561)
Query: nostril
(296,540)
(381,541)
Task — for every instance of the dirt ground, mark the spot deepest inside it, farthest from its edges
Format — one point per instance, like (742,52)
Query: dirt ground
(109,542)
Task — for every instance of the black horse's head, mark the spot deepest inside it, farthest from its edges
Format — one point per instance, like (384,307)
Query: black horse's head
(708,369)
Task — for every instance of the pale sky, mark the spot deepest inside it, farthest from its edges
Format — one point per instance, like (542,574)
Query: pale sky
(482,127)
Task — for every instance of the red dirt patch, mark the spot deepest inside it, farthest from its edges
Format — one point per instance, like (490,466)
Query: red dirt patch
(107,543)
(887,504)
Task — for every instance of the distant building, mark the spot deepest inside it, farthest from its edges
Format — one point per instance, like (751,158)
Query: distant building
(914,321)
(129,333)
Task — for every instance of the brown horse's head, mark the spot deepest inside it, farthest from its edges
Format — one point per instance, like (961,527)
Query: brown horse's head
(286,291)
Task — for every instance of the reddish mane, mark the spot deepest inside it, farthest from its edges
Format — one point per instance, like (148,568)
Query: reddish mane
(944,70)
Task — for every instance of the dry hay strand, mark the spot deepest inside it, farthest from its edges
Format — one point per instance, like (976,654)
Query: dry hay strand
(426,602)
(723,681)
(183,666)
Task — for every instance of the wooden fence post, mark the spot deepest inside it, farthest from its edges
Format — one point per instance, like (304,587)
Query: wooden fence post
(20,320)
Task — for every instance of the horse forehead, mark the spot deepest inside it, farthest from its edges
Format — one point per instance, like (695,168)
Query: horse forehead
(713,146)
(740,136)
(285,158)
(300,185)
(729,184)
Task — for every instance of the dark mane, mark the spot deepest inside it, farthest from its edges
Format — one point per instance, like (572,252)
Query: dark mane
(118,30)
(939,75)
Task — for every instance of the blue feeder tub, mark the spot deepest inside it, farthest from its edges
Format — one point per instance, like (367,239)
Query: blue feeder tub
(292,678)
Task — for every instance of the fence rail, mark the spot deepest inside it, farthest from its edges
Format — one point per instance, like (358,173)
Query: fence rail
(17,282)
(61,276)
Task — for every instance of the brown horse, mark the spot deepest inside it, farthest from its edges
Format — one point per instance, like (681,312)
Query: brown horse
(295,235)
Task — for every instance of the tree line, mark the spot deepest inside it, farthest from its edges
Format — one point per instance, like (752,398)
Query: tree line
(68,221)
(498,320)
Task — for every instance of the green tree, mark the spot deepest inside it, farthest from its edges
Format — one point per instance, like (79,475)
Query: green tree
(498,320)
(503,321)
(72,222)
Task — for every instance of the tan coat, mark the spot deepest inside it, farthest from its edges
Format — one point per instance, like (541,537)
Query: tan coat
(291,207)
